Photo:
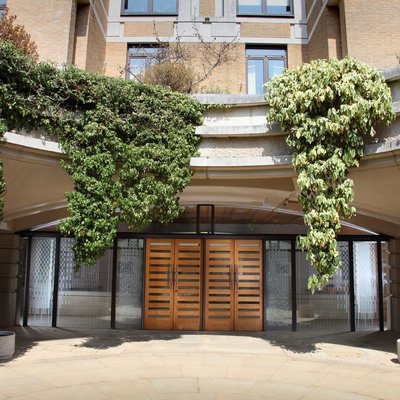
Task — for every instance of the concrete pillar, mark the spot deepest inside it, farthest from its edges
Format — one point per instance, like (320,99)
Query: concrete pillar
(394,247)
(10,250)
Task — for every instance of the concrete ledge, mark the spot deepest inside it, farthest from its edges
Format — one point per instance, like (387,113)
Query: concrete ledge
(32,143)
(392,74)
(230,99)
(239,131)
(241,161)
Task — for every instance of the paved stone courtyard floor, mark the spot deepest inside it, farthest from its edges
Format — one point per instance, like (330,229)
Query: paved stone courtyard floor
(58,364)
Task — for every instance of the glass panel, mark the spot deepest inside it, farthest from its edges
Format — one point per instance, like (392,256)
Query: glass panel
(328,309)
(137,6)
(250,6)
(366,286)
(41,283)
(266,52)
(164,6)
(130,263)
(255,76)
(278,288)
(278,7)
(386,285)
(275,67)
(136,67)
(84,297)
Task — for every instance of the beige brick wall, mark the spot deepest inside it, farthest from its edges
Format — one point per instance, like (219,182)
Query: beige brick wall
(51,26)
(81,36)
(116,55)
(229,78)
(207,8)
(141,29)
(326,41)
(264,30)
(373,31)
(96,50)
(295,55)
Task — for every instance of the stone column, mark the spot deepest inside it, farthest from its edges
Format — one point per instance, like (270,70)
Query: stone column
(394,247)
(10,249)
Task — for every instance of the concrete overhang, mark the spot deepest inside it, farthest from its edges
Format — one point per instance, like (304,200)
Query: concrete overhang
(36,184)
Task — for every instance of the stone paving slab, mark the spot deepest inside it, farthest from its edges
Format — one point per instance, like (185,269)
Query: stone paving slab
(103,364)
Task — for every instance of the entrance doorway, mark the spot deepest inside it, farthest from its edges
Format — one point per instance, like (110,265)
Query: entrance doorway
(223,287)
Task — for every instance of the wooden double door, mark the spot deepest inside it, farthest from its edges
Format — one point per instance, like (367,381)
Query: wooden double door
(213,284)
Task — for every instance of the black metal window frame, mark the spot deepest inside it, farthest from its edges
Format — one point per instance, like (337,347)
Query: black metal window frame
(265,59)
(264,12)
(349,239)
(150,10)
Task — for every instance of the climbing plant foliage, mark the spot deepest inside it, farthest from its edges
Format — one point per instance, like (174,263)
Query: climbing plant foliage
(128,145)
(327,108)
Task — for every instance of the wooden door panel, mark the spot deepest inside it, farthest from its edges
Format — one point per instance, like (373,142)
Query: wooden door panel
(159,312)
(248,285)
(188,284)
(219,305)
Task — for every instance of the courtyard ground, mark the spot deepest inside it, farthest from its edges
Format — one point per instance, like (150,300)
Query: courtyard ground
(107,364)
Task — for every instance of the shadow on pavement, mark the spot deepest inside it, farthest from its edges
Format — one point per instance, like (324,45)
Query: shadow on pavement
(297,342)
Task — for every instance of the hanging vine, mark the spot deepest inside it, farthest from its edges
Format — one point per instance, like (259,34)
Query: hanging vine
(128,145)
(327,108)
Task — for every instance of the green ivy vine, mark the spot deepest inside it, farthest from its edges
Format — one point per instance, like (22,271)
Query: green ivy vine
(327,108)
(128,145)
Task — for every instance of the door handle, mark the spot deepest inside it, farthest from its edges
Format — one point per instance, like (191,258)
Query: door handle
(232,276)
(176,277)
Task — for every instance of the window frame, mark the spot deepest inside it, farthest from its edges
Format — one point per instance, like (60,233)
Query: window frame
(140,56)
(3,8)
(265,59)
(264,12)
(150,4)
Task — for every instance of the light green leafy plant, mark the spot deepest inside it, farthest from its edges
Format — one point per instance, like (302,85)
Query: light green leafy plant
(327,108)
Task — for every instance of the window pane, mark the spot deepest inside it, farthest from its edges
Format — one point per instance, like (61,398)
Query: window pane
(266,52)
(327,309)
(278,288)
(366,286)
(255,76)
(41,283)
(278,7)
(250,6)
(3,2)
(137,6)
(275,67)
(84,297)
(129,299)
(164,6)
(136,67)
(386,284)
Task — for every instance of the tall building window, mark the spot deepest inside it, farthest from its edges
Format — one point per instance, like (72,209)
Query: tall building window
(262,65)
(139,58)
(3,4)
(163,7)
(265,7)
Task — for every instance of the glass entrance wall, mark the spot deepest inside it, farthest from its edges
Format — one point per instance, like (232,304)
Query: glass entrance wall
(366,286)
(129,293)
(110,294)
(84,297)
(278,285)
(330,308)
(41,281)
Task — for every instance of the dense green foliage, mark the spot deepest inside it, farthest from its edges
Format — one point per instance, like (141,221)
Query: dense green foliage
(327,108)
(128,145)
